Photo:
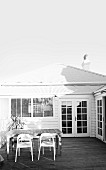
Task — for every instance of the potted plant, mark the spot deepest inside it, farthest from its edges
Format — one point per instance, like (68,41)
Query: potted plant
(16,123)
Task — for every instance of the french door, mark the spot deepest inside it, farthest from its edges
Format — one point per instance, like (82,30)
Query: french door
(99,119)
(74,118)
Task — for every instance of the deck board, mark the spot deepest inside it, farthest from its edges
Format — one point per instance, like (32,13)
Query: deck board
(77,154)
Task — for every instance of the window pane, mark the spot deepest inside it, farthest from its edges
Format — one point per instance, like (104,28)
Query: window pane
(85,130)
(69,103)
(84,117)
(63,104)
(69,123)
(84,123)
(63,110)
(19,107)
(69,130)
(100,109)
(97,102)
(78,104)
(63,117)
(78,123)
(64,130)
(84,103)
(42,107)
(13,107)
(100,132)
(84,110)
(48,107)
(69,117)
(100,124)
(79,130)
(100,117)
(100,102)
(69,110)
(26,104)
(78,110)
(79,117)
(48,113)
(63,123)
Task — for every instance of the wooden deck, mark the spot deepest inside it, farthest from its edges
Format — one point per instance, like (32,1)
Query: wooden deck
(77,154)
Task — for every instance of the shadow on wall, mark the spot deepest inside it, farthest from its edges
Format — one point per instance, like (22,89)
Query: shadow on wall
(32,124)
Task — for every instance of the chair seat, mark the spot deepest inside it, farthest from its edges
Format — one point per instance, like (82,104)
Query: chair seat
(24,144)
(45,143)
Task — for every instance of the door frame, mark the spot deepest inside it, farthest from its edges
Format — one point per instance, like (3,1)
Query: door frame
(97,135)
(74,113)
(104,118)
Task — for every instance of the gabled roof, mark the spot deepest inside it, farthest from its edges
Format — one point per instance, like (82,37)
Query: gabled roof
(58,74)
(73,74)
(100,90)
(56,79)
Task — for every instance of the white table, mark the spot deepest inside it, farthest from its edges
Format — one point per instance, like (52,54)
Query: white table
(34,133)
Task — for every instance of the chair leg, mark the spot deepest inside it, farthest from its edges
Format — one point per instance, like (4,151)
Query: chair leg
(43,150)
(32,153)
(39,153)
(16,155)
(18,151)
(54,153)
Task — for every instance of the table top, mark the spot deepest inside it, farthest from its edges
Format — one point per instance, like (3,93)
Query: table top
(33,132)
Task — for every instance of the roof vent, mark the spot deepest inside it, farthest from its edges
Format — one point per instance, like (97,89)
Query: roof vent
(86,63)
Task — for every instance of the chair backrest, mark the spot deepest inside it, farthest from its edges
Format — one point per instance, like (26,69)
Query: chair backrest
(47,137)
(23,138)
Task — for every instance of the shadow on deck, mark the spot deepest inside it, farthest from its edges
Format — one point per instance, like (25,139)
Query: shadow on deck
(77,154)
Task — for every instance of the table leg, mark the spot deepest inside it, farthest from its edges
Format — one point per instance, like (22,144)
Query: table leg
(58,144)
(8,141)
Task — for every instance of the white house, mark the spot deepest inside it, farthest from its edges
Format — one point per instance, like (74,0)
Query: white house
(58,96)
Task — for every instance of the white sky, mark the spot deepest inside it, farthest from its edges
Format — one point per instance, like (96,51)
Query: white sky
(35,33)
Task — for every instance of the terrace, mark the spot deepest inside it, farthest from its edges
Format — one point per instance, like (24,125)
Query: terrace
(77,154)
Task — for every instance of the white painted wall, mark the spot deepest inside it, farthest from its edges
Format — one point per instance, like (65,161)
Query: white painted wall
(4,118)
(92,113)
(50,122)
(4,113)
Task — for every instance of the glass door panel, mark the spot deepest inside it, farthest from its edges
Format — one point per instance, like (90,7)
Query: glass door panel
(66,110)
(99,119)
(81,117)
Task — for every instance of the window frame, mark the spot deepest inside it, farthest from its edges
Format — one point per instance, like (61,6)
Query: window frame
(31,99)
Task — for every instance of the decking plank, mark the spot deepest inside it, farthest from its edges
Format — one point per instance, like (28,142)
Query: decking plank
(77,154)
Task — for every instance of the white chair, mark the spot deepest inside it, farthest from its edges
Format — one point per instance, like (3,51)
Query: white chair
(47,140)
(24,141)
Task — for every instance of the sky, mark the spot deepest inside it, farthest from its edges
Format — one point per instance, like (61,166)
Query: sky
(34,34)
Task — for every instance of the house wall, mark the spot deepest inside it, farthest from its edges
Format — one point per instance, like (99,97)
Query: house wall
(47,122)
(4,110)
(92,112)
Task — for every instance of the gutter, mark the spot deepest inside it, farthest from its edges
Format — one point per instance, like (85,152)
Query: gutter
(57,84)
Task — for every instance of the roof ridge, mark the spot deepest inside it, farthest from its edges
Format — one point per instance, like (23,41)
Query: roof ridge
(87,71)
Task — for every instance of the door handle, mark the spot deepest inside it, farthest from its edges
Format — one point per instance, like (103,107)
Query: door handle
(75,118)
